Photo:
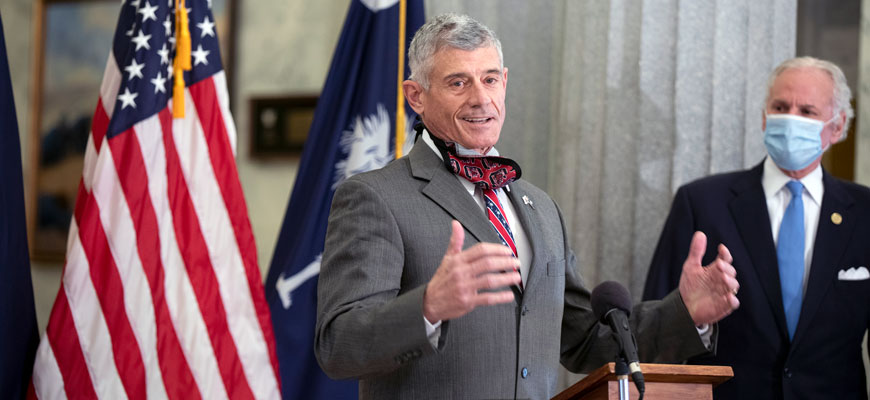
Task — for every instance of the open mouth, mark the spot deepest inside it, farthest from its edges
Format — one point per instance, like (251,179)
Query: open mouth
(482,120)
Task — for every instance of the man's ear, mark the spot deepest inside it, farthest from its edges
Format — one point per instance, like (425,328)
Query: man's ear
(837,134)
(414,94)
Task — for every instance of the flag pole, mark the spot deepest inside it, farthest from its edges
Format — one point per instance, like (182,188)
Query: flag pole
(400,96)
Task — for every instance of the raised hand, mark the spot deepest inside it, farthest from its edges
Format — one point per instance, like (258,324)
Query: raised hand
(464,279)
(710,293)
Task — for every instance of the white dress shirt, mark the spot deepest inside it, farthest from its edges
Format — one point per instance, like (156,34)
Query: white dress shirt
(778,196)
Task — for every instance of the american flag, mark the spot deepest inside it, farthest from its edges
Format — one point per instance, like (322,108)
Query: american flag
(161,295)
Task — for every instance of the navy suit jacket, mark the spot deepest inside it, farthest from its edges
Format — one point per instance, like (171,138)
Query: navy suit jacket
(824,360)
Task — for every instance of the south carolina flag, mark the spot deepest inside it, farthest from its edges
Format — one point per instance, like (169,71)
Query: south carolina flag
(354,130)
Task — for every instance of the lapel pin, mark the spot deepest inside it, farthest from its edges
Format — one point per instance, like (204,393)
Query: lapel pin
(528,202)
(836,218)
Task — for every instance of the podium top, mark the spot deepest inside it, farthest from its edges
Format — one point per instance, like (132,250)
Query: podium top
(665,373)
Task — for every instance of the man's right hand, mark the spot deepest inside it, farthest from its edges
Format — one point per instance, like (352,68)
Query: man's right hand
(465,277)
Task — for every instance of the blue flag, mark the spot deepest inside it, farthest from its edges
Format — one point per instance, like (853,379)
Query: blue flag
(19,335)
(353,131)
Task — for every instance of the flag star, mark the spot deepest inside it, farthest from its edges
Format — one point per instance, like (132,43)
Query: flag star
(148,12)
(159,83)
(209,4)
(199,55)
(169,71)
(141,40)
(207,27)
(134,69)
(134,3)
(167,25)
(164,55)
(127,98)
(132,29)
(172,41)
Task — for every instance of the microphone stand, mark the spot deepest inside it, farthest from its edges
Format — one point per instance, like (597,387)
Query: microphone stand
(622,373)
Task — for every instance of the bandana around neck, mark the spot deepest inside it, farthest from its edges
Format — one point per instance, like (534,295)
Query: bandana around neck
(486,172)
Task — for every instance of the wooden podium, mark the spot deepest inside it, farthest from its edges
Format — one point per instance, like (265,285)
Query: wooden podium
(662,381)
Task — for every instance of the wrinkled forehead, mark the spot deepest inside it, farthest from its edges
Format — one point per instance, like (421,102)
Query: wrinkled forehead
(803,86)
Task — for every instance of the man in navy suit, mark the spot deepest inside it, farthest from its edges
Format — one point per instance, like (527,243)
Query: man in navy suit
(800,241)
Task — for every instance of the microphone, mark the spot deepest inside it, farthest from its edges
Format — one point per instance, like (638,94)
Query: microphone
(611,304)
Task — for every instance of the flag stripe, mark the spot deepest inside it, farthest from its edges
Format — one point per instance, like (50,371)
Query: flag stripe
(212,119)
(180,298)
(67,353)
(217,229)
(120,235)
(88,321)
(48,380)
(128,161)
(108,287)
(199,267)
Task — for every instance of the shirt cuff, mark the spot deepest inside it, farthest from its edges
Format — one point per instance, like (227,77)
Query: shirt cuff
(433,332)
(705,331)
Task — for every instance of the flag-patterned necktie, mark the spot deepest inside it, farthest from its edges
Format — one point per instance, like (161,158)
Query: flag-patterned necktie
(496,217)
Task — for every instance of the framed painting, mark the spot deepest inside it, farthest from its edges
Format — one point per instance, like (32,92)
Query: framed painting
(72,43)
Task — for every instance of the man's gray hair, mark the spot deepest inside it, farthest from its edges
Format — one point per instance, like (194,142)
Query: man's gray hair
(840,99)
(453,30)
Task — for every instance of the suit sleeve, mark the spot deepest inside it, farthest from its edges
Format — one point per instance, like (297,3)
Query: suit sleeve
(365,324)
(664,329)
(672,249)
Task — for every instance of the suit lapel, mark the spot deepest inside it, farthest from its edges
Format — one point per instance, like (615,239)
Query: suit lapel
(749,210)
(531,222)
(830,243)
(445,190)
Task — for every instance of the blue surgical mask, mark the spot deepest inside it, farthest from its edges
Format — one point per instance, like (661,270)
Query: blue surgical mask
(793,142)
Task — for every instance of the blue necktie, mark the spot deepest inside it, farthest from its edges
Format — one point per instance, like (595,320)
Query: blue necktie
(790,256)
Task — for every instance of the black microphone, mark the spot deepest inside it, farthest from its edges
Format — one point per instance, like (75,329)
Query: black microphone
(611,304)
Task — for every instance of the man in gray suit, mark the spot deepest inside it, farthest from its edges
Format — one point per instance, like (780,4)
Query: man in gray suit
(494,315)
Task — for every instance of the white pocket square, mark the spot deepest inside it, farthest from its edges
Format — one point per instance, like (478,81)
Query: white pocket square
(854,274)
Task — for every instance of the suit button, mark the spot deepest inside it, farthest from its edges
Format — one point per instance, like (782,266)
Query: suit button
(786,372)
(525,310)
(525,373)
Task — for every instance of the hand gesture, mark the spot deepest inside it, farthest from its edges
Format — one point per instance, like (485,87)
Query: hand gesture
(710,293)
(464,278)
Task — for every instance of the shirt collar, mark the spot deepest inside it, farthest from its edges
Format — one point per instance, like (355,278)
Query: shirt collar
(773,180)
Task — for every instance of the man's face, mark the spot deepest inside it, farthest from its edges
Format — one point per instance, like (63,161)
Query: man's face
(465,100)
(807,92)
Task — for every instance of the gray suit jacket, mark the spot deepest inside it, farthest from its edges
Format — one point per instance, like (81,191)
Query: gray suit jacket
(389,229)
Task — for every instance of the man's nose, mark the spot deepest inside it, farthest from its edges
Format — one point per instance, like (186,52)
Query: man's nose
(478,95)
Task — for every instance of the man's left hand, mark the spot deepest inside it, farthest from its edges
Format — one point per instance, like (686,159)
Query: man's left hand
(710,293)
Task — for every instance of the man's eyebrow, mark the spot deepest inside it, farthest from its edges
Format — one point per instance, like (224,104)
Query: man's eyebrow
(454,75)
(802,105)
(464,75)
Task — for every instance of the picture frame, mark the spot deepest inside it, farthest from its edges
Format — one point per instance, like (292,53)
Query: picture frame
(72,40)
(279,125)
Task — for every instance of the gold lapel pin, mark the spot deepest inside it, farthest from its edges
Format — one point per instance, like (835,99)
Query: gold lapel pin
(836,218)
